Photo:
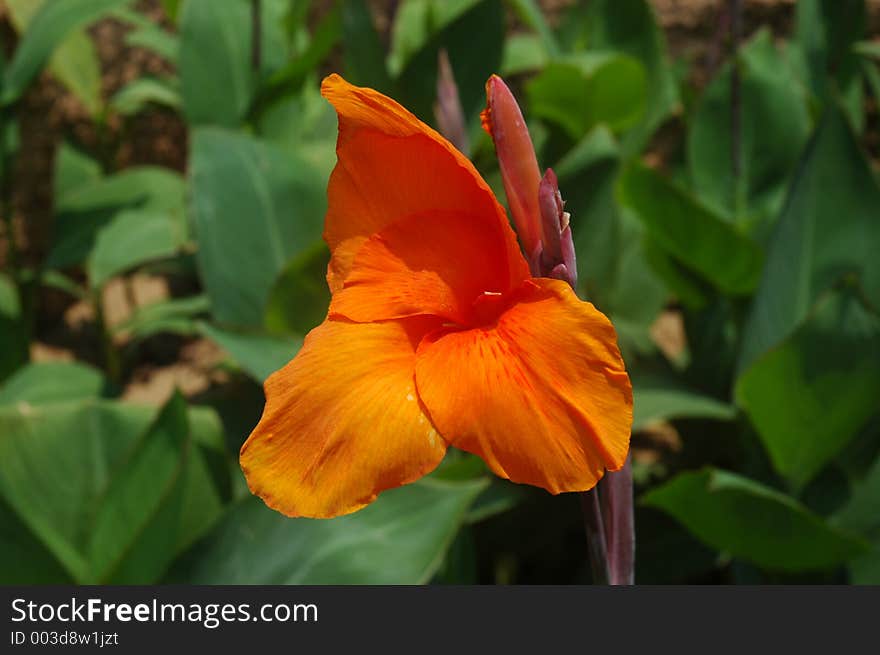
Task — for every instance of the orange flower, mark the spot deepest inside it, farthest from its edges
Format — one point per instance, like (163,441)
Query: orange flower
(436,335)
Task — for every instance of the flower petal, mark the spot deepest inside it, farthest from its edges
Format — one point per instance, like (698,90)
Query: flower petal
(542,395)
(437,263)
(391,165)
(342,421)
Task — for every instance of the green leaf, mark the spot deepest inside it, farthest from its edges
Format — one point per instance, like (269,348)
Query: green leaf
(364,53)
(399,539)
(305,124)
(869,49)
(531,14)
(50,25)
(176,316)
(452,25)
(587,175)
(523,53)
(657,398)
(828,229)
(73,171)
(300,296)
(290,78)
(82,212)
(691,232)
(217,81)
(774,128)
(810,395)
(753,522)
(75,63)
(629,27)
(154,38)
(138,94)
(865,570)
(860,514)
(255,208)
(132,238)
(613,270)
(825,33)
(46,382)
(98,483)
(133,534)
(258,354)
(580,91)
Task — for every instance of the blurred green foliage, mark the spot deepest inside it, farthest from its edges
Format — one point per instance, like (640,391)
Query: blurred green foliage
(759,232)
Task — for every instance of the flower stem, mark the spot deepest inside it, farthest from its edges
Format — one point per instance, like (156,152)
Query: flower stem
(616,496)
(596,545)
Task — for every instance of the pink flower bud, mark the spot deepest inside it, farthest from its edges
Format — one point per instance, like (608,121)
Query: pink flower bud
(504,122)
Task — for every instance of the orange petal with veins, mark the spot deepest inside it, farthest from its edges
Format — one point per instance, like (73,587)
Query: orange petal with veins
(342,421)
(541,395)
(390,166)
(435,263)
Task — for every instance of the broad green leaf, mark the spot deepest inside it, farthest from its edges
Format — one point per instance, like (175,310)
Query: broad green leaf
(140,93)
(691,232)
(300,297)
(74,61)
(289,79)
(753,522)
(586,179)
(134,530)
(255,207)
(97,483)
(629,27)
(24,560)
(146,187)
(217,82)
(860,514)
(304,123)
(453,26)
(580,91)
(399,539)
(76,65)
(656,398)
(825,33)
(523,53)
(865,570)
(133,237)
(257,353)
(613,271)
(410,31)
(46,382)
(810,395)
(531,14)
(775,125)
(50,25)
(73,171)
(82,211)
(828,229)
(364,53)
